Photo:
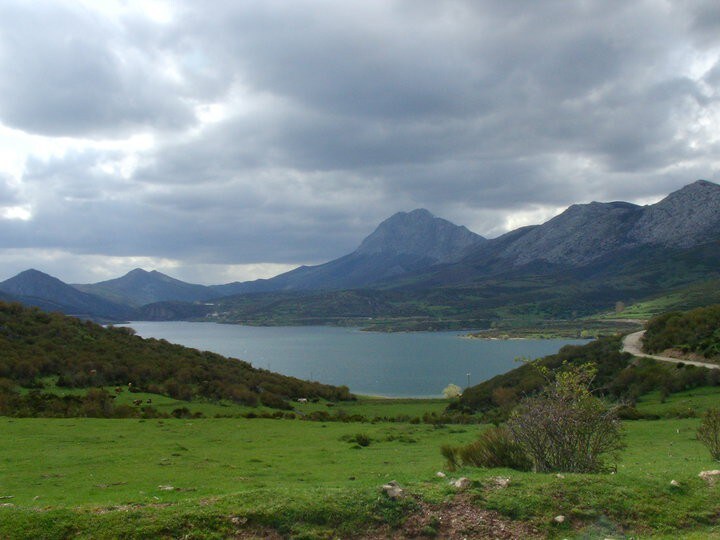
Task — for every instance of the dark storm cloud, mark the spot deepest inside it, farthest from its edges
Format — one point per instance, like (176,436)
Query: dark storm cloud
(332,116)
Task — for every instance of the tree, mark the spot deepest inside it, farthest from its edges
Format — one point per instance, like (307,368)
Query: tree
(566,428)
(452,391)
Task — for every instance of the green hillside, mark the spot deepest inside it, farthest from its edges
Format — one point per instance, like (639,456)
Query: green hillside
(38,349)
(619,378)
(696,331)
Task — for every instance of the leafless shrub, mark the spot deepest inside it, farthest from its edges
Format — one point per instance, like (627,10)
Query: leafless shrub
(566,428)
(709,432)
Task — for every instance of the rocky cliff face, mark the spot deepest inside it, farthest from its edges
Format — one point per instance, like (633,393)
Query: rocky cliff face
(581,233)
(685,218)
(587,232)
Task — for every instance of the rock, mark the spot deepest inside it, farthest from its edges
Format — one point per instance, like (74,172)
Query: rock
(501,481)
(393,490)
(440,474)
(558,475)
(166,488)
(710,476)
(7,505)
(674,483)
(559,519)
(461,483)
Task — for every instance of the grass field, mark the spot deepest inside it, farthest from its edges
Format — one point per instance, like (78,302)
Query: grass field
(216,477)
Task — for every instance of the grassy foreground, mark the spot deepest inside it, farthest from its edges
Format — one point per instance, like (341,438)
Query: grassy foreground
(223,477)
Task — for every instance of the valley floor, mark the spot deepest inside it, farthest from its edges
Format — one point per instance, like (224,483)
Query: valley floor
(235,477)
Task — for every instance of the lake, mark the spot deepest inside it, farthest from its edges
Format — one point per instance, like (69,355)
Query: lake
(417,364)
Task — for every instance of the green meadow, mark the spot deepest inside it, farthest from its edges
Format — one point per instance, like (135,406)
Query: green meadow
(223,477)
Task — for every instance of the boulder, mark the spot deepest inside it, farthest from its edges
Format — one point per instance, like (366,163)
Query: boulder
(461,483)
(711,477)
(500,481)
(393,490)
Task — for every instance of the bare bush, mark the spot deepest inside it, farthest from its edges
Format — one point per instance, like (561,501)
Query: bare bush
(709,432)
(566,428)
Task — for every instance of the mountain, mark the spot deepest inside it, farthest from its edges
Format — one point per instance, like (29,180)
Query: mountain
(598,233)
(421,234)
(586,260)
(580,262)
(139,287)
(685,218)
(405,242)
(36,288)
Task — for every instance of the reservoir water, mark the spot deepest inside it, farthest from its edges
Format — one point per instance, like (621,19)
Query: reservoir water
(417,364)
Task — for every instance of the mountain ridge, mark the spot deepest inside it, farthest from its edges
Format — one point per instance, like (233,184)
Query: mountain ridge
(611,243)
(36,288)
(139,287)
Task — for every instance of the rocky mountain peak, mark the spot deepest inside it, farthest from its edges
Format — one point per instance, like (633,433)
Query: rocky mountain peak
(578,235)
(419,233)
(684,218)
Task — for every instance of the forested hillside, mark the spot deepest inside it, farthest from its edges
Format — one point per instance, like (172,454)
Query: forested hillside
(696,331)
(36,347)
(619,378)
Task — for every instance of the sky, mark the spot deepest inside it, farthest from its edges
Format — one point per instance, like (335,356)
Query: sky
(236,139)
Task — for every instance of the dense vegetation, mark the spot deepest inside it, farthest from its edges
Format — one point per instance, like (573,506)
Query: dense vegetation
(617,377)
(696,331)
(36,346)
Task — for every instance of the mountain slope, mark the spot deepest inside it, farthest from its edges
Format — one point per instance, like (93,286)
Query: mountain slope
(139,287)
(594,234)
(36,288)
(685,218)
(581,262)
(405,242)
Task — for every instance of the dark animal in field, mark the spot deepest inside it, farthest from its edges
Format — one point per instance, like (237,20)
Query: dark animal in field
(118,390)
(149,400)
(137,401)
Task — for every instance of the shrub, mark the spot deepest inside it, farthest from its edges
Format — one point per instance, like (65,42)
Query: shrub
(565,428)
(451,455)
(709,432)
(362,439)
(495,448)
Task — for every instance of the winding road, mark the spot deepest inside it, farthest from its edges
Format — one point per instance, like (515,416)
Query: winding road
(632,343)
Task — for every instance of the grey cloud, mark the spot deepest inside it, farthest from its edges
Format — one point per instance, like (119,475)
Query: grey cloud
(8,192)
(66,74)
(338,115)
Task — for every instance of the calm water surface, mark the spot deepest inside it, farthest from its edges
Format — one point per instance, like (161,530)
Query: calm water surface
(417,364)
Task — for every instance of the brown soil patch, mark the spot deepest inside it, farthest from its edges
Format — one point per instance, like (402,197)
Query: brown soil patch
(455,520)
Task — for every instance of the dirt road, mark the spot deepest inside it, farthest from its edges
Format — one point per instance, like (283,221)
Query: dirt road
(632,343)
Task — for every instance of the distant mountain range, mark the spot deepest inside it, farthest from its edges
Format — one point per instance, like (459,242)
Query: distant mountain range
(591,255)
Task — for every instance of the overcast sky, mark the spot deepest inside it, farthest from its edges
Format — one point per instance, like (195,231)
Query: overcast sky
(234,139)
